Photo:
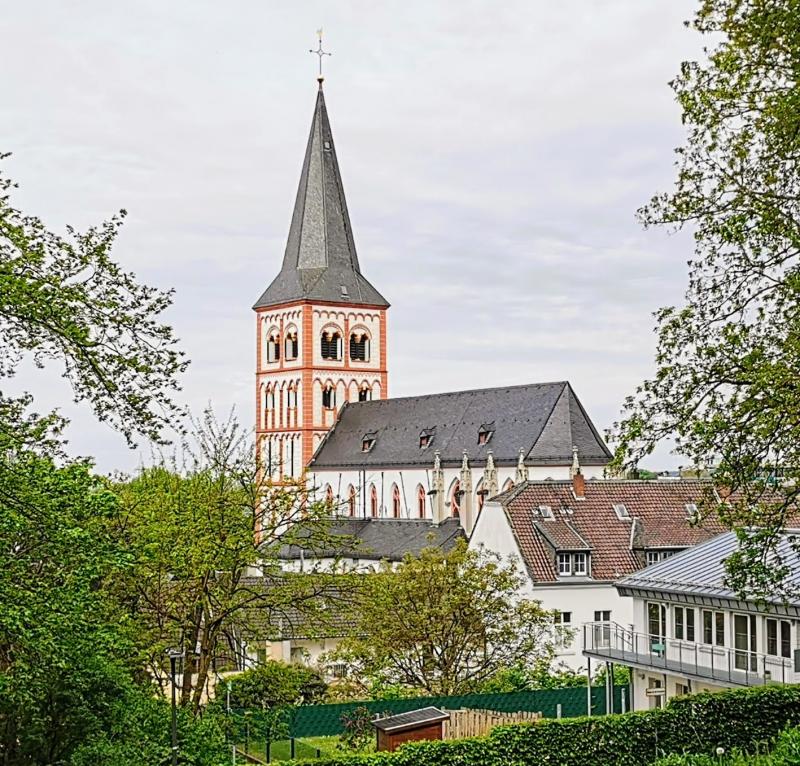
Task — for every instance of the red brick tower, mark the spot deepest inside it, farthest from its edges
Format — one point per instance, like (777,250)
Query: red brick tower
(320,325)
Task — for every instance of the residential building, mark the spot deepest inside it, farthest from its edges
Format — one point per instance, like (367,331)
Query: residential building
(574,539)
(690,632)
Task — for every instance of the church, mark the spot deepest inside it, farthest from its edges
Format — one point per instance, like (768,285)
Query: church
(322,386)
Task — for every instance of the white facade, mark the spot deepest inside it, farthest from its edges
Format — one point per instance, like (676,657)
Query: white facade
(576,603)
(412,493)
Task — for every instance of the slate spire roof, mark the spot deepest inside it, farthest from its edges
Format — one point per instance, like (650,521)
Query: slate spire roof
(320,261)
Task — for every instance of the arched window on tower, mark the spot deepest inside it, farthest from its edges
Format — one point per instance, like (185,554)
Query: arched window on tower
(359,346)
(421,501)
(291,345)
(373,501)
(329,396)
(329,498)
(351,500)
(455,500)
(395,501)
(273,345)
(364,393)
(507,485)
(331,345)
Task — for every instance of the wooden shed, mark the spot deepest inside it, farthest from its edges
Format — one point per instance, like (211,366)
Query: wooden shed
(426,723)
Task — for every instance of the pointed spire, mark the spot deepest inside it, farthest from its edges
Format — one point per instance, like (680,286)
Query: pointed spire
(575,469)
(522,469)
(320,261)
(490,475)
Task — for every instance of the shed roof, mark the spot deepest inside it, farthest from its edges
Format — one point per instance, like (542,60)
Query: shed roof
(411,720)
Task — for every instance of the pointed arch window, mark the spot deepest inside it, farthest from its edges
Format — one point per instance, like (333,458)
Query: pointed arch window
(331,345)
(329,496)
(359,346)
(455,500)
(364,393)
(292,347)
(351,500)
(395,501)
(421,501)
(373,501)
(273,345)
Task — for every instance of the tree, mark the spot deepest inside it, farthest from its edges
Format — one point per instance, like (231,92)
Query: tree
(725,387)
(444,622)
(65,650)
(197,530)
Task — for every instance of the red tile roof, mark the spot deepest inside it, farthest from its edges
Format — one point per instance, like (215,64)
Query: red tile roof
(658,519)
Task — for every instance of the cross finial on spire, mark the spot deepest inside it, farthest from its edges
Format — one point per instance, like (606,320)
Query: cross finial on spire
(320,53)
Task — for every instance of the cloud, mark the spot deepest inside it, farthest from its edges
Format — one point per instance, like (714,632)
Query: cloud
(493,158)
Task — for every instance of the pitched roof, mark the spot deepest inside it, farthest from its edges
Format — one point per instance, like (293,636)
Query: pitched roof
(658,518)
(378,539)
(320,261)
(700,571)
(545,420)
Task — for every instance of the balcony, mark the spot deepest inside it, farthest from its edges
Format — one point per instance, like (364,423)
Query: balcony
(716,664)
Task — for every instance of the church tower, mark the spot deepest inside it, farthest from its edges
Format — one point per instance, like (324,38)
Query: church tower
(320,325)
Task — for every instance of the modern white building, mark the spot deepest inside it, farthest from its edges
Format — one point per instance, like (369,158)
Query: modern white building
(688,631)
(576,538)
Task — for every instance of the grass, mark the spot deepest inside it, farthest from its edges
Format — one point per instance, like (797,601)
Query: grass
(304,748)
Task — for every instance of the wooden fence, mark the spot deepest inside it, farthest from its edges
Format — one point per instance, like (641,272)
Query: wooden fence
(474,723)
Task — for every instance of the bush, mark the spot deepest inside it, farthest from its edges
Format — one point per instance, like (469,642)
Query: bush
(746,719)
(276,684)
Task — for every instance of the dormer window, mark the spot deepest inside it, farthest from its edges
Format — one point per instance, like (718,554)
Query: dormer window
(485,433)
(545,511)
(368,441)
(622,512)
(573,563)
(426,438)
(359,346)
(659,554)
(691,511)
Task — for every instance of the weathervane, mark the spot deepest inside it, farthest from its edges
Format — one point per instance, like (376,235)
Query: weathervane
(320,53)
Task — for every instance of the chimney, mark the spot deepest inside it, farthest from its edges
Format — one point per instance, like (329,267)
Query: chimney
(578,486)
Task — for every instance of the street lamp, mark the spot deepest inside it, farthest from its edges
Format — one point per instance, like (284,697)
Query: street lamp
(174,655)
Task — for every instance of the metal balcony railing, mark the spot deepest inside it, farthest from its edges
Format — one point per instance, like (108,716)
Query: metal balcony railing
(730,666)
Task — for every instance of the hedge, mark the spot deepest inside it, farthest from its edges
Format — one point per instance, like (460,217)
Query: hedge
(699,723)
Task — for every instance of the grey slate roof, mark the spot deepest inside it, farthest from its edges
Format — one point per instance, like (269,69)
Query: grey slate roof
(379,539)
(545,420)
(700,571)
(320,261)
(411,719)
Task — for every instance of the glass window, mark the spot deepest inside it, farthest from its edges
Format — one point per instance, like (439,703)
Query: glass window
(689,624)
(679,622)
(579,564)
(713,627)
(720,629)
(602,616)
(779,638)
(564,564)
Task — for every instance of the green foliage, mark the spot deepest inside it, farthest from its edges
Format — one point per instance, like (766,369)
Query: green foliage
(358,730)
(444,622)
(273,684)
(746,719)
(727,361)
(65,299)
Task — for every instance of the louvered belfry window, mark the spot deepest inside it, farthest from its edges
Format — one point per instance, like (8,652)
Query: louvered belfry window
(331,345)
(359,347)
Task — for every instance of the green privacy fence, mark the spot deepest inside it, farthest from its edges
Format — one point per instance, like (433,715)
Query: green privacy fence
(325,720)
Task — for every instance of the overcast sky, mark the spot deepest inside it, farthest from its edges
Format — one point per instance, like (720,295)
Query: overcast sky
(493,156)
